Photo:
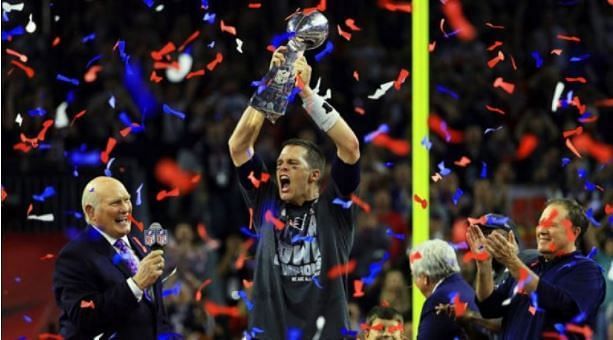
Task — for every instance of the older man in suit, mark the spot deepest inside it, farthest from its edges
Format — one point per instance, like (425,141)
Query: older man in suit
(105,281)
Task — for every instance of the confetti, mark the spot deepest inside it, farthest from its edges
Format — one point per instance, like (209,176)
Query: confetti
(110,145)
(494,46)
(431,46)
(398,236)
(239,45)
(218,59)
(507,87)
(31,25)
(28,70)
(414,256)
(315,279)
(556,51)
(270,218)
(351,24)
(589,213)
(255,5)
(481,256)
(453,11)
(27,318)
(426,143)
(556,96)
(422,201)
(494,61)
(358,288)
(341,269)
(488,130)
(63,78)
(568,38)
(168,110)
(579,58)
(363,205)
(345,35)
(227,28)
(327,50)
(163,194)
(483,170)
(537,59)
(37,112)
(383,128)
(244,297)
(576,131)
(383,88)
(463,161)
(47,192)
(23,58)
(209,17)
(459,306)
(217,310)
(249,233)
(394,6)
(494,109)
(168,48)
(402,76)
(581,80)
(42,218)
(342,203)
(571,147)
(189,40)
(399,147)
(444,90)
(456,196)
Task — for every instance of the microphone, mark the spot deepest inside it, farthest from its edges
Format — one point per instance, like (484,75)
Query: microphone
(156,237)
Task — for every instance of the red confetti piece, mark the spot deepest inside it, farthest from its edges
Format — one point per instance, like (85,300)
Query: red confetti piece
(435,122)
(168,48)
(320,7)
(88,304)
(160,65)
(351,24)
(477,221)
(247,284)
(463,162)
(255,5)
(513,63)
(227,28)
(240,261)
(23,58)
(453,11)
(30,207)
(202,232)
(43,132)
(139,244)
(195,74)
(218,59)
(343,34)
(572,132)
(585,330)
(154,77)
(608,208)
(494,61)
(77,116)
(402,76)
(359,110)
(56,42)
(431,46)
(358,288)
(215,310)
(581,80)
(23,147)
(196,179)
(577,103)
(163,194)
(495,109)
(481,256)
(126,131)
(198,295)
(341,269)
(356,75)
(422,201)
(414,256)
(92,74)
(28,70)
(572,148)
(110,145)
(527,145)
(399,147)
(189,39)
(50,336)
(47,257)
(568,38)
(138,224)
(532,310)
(490,25)
(495,45)
(393,7)
(4,194)
(459,306)
(507,87)
(363,205)
(268,216)
(556,51)
(604,102)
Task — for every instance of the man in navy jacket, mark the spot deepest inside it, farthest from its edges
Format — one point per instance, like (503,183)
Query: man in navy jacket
(436,273)
(106,281)
(557,294)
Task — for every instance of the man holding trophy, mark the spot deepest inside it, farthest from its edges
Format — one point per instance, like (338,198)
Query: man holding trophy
(305,236)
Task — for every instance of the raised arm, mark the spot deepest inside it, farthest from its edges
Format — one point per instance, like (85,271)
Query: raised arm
(327,118)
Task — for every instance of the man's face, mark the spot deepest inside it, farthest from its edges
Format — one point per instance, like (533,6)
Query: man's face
(112,213)
(294,174)
(555,233)
(382,329)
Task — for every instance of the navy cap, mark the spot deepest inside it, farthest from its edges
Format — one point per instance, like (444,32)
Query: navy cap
(495,221)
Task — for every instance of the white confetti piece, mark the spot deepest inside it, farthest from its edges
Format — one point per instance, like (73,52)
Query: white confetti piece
(239,45)
(556,96)
(19,119)
(42,218)
(61,119)
(31,26)
(383,88)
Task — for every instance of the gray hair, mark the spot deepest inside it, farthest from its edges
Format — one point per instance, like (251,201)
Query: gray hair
(437,260)
(89,197)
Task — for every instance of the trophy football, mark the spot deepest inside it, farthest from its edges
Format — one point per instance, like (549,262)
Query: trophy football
(308,31)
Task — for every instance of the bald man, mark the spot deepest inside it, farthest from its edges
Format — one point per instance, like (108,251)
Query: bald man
(106,281)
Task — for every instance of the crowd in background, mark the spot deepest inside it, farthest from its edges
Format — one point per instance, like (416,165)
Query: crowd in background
(208,220)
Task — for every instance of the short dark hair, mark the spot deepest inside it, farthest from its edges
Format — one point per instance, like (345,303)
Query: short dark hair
(314,156)
(576,214)
(385,313)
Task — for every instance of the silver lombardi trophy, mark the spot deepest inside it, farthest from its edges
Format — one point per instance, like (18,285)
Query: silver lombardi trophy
(156,237)
(308,31)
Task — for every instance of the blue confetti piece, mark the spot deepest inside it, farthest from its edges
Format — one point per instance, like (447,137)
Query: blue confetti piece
(580,318)
(592,253)
(88,38)
(44,146)
(579,58)
(107,170)
(204,4)
(589,186)
(212,44)
(27,318)
(537,59)
(63,78)
(47,192)
(138,195)
(292,96)
(426,143)
(70,96)
(75,173)
(19,30)
(497,220)
(442,89)
(125,119)
(534,300)
(148,3)
(383,128)
(169,336)
(249,233)
(279,39)
(84,158)
(316,281)
(488,130)
(374,269)
(348,333)
(585,117)
(93,60)
(167,109)
(243,296)
(560,328)
(589,213)
(483,170)
(209,17)
(582,173)
(342,203)
(442,169)
(294,334)
(389,164)
(18,279)
(443,127)
(175,290)
(76,214)
(329,48)
(260,84)
(398,236)
(37,112)
(298,238)
(456,197)
(565,161)
(452,296)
